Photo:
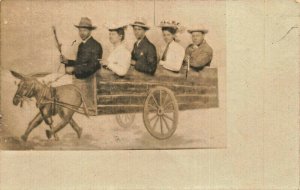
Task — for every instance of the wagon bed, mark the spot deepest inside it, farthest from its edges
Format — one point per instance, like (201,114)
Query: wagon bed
(115,95)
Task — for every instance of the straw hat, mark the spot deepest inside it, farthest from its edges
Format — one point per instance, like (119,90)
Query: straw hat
(115,25)
(198,28)
(140,22)
(85,22)
(169,24)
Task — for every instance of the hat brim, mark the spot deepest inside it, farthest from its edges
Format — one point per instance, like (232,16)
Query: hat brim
(191,31)
(140,25)
(88,27)
(117,28)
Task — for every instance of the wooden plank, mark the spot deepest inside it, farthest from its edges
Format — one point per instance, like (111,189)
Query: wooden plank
(119,109)
(140,99)
(122,99)
(206,76)
(115,88)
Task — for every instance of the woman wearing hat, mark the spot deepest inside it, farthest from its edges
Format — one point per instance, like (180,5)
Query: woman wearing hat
(171,54)
(198,54)
(119,58)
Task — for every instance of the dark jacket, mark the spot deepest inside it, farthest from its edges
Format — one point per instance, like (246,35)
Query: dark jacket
(87,62)
(145,56)
(200,56)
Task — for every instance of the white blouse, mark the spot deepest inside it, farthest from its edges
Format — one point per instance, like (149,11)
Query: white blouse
(119,60)
(174,56)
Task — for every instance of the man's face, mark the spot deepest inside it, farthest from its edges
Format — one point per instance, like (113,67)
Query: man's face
(197,37)
(139,32)
(84,33)
(168,36)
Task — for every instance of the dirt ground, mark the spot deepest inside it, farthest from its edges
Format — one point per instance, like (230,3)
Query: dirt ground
(204,128)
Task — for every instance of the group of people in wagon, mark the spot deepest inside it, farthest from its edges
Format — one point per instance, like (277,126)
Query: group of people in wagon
(143,57)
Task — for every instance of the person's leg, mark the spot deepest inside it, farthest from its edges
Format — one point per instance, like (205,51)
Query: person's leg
(86,87)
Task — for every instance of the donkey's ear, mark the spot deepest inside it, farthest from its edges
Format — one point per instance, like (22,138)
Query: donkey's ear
(18,75)
(39,74)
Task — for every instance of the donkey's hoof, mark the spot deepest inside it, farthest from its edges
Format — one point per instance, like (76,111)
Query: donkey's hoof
(79,133)
(56,138)
(49,134)
(24,138)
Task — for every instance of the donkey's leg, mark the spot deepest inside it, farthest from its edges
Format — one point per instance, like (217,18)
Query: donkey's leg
(38,119)
(76,127)
(59,126)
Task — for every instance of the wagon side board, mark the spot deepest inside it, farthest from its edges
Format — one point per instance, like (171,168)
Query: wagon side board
(117,95)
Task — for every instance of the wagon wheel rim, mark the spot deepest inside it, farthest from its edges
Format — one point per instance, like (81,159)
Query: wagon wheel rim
(125,120)
(161,113)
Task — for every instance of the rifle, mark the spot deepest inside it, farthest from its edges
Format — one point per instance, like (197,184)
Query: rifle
(58,45)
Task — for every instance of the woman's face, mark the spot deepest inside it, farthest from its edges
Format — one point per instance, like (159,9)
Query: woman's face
(168,36)
(114,37)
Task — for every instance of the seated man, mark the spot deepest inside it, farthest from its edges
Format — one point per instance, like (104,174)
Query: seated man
(143,55)
(86,63)
(199,53)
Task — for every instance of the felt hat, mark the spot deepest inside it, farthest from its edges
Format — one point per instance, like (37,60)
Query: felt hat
(85,22)
(141,22)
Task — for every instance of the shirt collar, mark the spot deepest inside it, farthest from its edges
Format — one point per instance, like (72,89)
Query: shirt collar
(139,41)
(84,41)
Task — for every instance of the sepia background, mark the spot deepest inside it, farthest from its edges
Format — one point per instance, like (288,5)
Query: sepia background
(262,69)
(28,46)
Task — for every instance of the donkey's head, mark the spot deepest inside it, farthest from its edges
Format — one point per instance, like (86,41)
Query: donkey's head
(26,86)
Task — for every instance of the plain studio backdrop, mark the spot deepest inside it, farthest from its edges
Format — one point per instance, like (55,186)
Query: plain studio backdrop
(28,46)
(262,90)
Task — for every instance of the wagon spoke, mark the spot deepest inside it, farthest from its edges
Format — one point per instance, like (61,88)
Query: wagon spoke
(154,100)
(154,125)
(170,103)
(165,101)
(153,108)
(160,98)
(161,126)
(168,117)
(166,123)
(155,115)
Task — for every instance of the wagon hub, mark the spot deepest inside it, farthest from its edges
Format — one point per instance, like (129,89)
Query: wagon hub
(160,111)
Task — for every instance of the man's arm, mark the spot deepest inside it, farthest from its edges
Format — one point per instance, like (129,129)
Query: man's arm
(201,60)
(151,61)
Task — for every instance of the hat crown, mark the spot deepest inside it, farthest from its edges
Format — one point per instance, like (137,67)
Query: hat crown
(198,27)
(85,21)
(141,21)
(116,25)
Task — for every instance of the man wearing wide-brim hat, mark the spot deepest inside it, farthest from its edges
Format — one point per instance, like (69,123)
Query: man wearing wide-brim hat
(143,55)
(87,60)
(199,54)
(89,51)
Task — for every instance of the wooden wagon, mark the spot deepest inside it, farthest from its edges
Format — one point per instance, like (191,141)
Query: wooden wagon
(158,97)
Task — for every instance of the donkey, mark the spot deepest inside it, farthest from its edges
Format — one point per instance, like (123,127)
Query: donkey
(29,87)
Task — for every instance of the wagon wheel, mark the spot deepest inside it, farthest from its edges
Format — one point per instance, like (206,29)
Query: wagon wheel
(125,120)
(161,113)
